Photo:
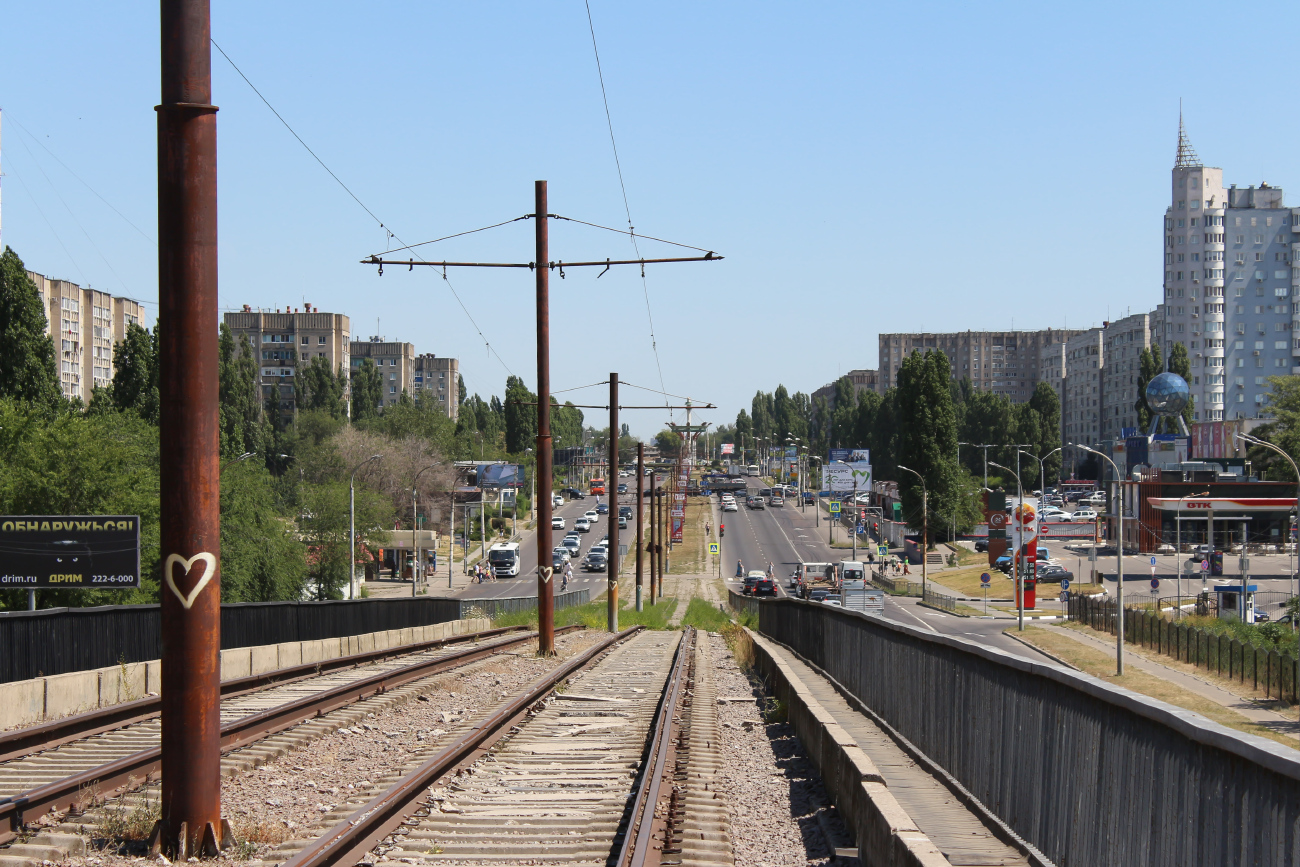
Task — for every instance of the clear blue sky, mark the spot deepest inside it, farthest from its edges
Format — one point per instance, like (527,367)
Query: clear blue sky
(863,167)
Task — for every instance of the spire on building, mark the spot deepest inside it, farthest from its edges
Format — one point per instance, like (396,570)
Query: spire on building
(1187,158)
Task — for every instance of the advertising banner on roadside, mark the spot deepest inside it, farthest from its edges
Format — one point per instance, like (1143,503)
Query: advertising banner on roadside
(841,478)
(96,552)
(728,448)
(849,456)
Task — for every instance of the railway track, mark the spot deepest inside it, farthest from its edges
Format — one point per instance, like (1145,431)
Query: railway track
(614,768)
(69,764)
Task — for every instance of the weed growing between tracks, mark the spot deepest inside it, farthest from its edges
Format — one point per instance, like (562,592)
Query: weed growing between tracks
(593,616)
(706,616)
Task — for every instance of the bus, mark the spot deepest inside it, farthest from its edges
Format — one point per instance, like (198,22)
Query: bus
(503,557)
(597,487)
(752,470)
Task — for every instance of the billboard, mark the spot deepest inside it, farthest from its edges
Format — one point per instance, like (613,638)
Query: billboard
(728,448)
(843,477)
(849,456)
(94,551)
(501,476)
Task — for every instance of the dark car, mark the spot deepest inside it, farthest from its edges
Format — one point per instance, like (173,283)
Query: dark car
(558,560)
(1054,574)
(808,498)
(602,508)
(625,511)
(750,581)
(764,587)
(594,562)
(818,595)
(622,488)
(573,494)
(981,546)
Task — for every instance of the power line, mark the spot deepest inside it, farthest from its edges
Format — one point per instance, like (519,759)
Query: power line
(470,232)
(634,235)
(645,289)
(390,232)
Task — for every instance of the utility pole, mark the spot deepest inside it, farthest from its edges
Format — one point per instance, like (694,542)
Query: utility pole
(189,467)
(653,547)
(545,567)
(640,517)
(611,561)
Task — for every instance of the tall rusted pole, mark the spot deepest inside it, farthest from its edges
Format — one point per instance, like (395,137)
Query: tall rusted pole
(640,517)
(545,570)
(650,547)
(663,539)
(611,562)
(189,466)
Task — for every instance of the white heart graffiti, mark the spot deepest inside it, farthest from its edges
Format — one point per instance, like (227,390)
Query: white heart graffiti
(546,573)
(211,570)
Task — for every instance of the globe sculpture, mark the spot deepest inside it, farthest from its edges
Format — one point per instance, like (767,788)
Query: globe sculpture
(1167,395)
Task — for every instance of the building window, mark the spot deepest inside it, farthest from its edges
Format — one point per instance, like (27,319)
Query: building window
(392,389)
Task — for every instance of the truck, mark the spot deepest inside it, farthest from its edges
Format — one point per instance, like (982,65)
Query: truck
(503,557)
(808,577)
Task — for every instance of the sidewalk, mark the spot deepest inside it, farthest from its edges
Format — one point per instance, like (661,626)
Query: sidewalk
(1203,687)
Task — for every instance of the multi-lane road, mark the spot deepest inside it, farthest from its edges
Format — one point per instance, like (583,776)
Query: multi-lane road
(787,535)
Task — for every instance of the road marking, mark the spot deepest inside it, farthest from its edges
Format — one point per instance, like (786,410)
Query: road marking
(913,616)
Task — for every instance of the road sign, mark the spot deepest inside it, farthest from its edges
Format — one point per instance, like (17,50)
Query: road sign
(986,579)
(1155,583)
(713,547)
(1065,597)
(1205,565)
(882,550)
(1153,561)
(835,507)
(1065,583)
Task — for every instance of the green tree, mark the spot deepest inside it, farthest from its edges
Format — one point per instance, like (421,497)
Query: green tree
(242,426)
(928,443)
(1046,404)
(865,421)
(318,388)
(261,557)
(1180,364)
(1150,364)
(885,437)
(521,416)
(1282,431)
(669,443)
(325,527)
(367,390)
(27,365)
(461,392)
(135,375)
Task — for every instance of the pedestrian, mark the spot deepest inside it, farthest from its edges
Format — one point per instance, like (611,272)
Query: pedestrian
(906,571)
(568,573)
(706,528)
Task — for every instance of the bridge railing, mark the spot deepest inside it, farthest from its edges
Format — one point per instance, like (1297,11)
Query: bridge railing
(1086,772)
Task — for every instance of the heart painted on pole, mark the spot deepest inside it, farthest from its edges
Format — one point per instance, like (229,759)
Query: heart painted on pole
(546,572)
(211,570)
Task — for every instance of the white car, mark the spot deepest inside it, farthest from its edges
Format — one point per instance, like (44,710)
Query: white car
(592,516)
(1084,515)
(562,552)
(582,525)
(557,501)
(557,523)
(730,506)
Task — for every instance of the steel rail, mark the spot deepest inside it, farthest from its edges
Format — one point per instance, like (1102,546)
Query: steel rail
(642,825)
(77,791)
(44,736)
(347,842)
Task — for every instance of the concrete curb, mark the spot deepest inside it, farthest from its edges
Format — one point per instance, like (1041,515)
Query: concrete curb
(944,610)
(886,835)
(1037,649)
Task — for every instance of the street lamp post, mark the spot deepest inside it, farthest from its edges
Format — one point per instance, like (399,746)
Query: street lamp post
(817,507)
(1119,560)
(925,528)
(352,526)
(1018,558)
(1295,575)
(1178,547)
(1042,468)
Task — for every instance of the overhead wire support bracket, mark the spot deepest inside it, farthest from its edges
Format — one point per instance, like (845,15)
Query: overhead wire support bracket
(604,263)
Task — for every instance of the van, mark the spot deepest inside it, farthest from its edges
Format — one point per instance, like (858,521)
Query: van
(503,557)
(852,573)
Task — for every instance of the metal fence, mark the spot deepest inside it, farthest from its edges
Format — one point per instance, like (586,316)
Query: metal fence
(743,604)
(1262,668)
(1088,773)
(515,604)
(940,600)
(896,585)
(59,640)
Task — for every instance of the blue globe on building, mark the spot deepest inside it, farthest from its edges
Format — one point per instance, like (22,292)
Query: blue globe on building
(1167,394)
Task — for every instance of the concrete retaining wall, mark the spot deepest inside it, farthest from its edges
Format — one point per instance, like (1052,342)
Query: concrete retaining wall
(1085,772)
(27,702)
(886,835)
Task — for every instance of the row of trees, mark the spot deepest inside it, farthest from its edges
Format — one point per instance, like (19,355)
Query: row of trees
(284,477)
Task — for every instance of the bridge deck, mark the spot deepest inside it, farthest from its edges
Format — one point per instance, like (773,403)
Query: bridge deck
(959,833)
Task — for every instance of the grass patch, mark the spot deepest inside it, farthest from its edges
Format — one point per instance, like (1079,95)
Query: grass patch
(594,615)
(968,611)
(1102,665)
(966,581)
(706,616)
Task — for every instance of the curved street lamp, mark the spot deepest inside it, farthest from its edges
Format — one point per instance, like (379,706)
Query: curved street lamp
(925,527)
(1117,508)
(352,526)
(415,521)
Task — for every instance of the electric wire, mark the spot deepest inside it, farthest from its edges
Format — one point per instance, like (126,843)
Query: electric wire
(609,120)
(461,234)
(50,225)
(580,387)
(390,232)
(665,393)
(624,232)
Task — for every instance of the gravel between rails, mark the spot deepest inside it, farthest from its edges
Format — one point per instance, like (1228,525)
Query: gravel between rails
(307,790)
(774,789)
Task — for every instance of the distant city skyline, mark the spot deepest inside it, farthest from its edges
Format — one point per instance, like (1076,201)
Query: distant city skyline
(918,178)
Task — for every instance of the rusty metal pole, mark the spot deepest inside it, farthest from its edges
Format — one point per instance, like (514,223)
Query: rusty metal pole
(545,457)
(190,463)
(641,475)
(650,547)
(611,562)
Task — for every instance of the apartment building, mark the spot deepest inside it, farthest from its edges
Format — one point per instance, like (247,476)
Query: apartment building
(282,340)
(437,379)
(1051,367)
(1002,362)
(1231,286)
(396,363)
(863,380)
(1083,387)
(1122,345)
(84,324)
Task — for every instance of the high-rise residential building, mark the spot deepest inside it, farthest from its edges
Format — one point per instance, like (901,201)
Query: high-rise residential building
(84,324)
(1083,388)
(1002,362)
(1122,345)
(1231,287)
(396,363)
(282,341)
(437,379)
(1051,367)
